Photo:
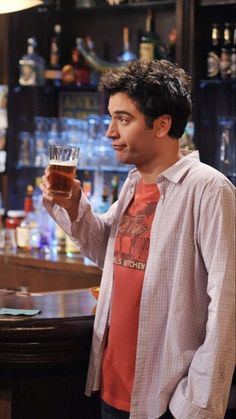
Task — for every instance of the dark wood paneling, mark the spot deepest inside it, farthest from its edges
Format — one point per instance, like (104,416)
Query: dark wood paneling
(185,21)
(4,23)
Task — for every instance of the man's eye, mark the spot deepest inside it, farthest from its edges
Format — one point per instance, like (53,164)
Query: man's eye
(123,120)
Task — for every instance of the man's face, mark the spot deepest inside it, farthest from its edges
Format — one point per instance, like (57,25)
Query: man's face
(132,140)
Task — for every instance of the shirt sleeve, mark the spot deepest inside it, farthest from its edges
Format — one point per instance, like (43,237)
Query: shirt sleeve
(203,393)
(89,231)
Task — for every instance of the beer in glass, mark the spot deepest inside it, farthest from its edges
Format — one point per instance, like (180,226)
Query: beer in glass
(62,165)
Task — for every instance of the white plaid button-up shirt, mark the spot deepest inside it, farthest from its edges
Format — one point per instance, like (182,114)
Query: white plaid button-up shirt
(185,349)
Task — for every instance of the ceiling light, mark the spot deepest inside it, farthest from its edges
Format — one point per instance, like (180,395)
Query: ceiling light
(8,6)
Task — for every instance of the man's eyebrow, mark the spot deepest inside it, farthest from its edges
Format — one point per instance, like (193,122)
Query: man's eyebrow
(122,113)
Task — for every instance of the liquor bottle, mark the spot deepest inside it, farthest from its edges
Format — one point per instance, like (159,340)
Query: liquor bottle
(94,75)
(32,66)
(126,55)
(150,45)
(37,195)
(55,48)
(28,201)
(71,249)
(23,231)
(12,221)
(41,235)
(60,238)
(53,71)
(103,204)
(233,55)
(87,184)
(213,56)
(172,38)
(115,187)
(77,72)
(225,53)
(2,231)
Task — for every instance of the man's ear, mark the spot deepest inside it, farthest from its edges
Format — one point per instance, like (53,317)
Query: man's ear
(162,125)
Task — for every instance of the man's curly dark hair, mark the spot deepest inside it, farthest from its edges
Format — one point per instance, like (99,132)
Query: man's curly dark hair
(158,87)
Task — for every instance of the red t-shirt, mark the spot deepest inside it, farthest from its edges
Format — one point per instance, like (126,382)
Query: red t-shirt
(130,257)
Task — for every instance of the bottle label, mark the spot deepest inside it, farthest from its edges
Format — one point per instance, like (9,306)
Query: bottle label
(54,59)
(146,51)
(225,64)
(22,237)
(27,74)
(213,65)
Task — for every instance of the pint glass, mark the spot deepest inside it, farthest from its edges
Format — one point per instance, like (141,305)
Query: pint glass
(63,164)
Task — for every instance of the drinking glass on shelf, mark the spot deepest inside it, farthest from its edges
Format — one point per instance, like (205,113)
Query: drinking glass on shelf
(82,139)
(106,152)
(25,156)
(40,141)
(63,129)
(62,164)
(53,134)
(93,137)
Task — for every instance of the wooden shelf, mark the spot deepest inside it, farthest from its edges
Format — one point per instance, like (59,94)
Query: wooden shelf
(216,2)
(35,272)
(141,5)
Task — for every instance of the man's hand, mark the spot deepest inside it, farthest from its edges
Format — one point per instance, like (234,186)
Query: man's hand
(70,204)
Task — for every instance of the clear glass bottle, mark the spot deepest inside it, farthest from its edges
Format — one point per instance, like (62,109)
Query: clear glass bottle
(53,71)
(213,56)
(32,66)
(55,48)
(126,55)
(93,74)
(12,222)
(27,233)
(225,52)
(233,55)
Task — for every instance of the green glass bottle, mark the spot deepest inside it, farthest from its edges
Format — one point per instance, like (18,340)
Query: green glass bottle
(150,45)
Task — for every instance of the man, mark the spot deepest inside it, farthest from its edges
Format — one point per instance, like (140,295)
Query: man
(163,333)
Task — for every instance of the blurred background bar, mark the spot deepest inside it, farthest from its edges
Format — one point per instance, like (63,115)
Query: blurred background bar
(53,53)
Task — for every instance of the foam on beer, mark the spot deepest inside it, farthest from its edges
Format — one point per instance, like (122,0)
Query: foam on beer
(63,163)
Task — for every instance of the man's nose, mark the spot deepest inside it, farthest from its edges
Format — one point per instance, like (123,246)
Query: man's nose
(112,131)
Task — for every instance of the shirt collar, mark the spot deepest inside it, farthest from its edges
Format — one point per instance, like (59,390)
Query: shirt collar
(176,172)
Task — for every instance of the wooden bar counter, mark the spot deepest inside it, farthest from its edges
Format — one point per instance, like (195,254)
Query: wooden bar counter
(38,272)
(43,358)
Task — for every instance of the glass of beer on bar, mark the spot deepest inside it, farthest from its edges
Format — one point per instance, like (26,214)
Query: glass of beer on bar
(62,165)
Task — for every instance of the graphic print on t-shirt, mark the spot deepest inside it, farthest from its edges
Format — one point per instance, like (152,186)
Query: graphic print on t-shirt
(132,241)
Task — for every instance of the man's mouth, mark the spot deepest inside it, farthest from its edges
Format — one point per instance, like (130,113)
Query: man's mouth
(117,147)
